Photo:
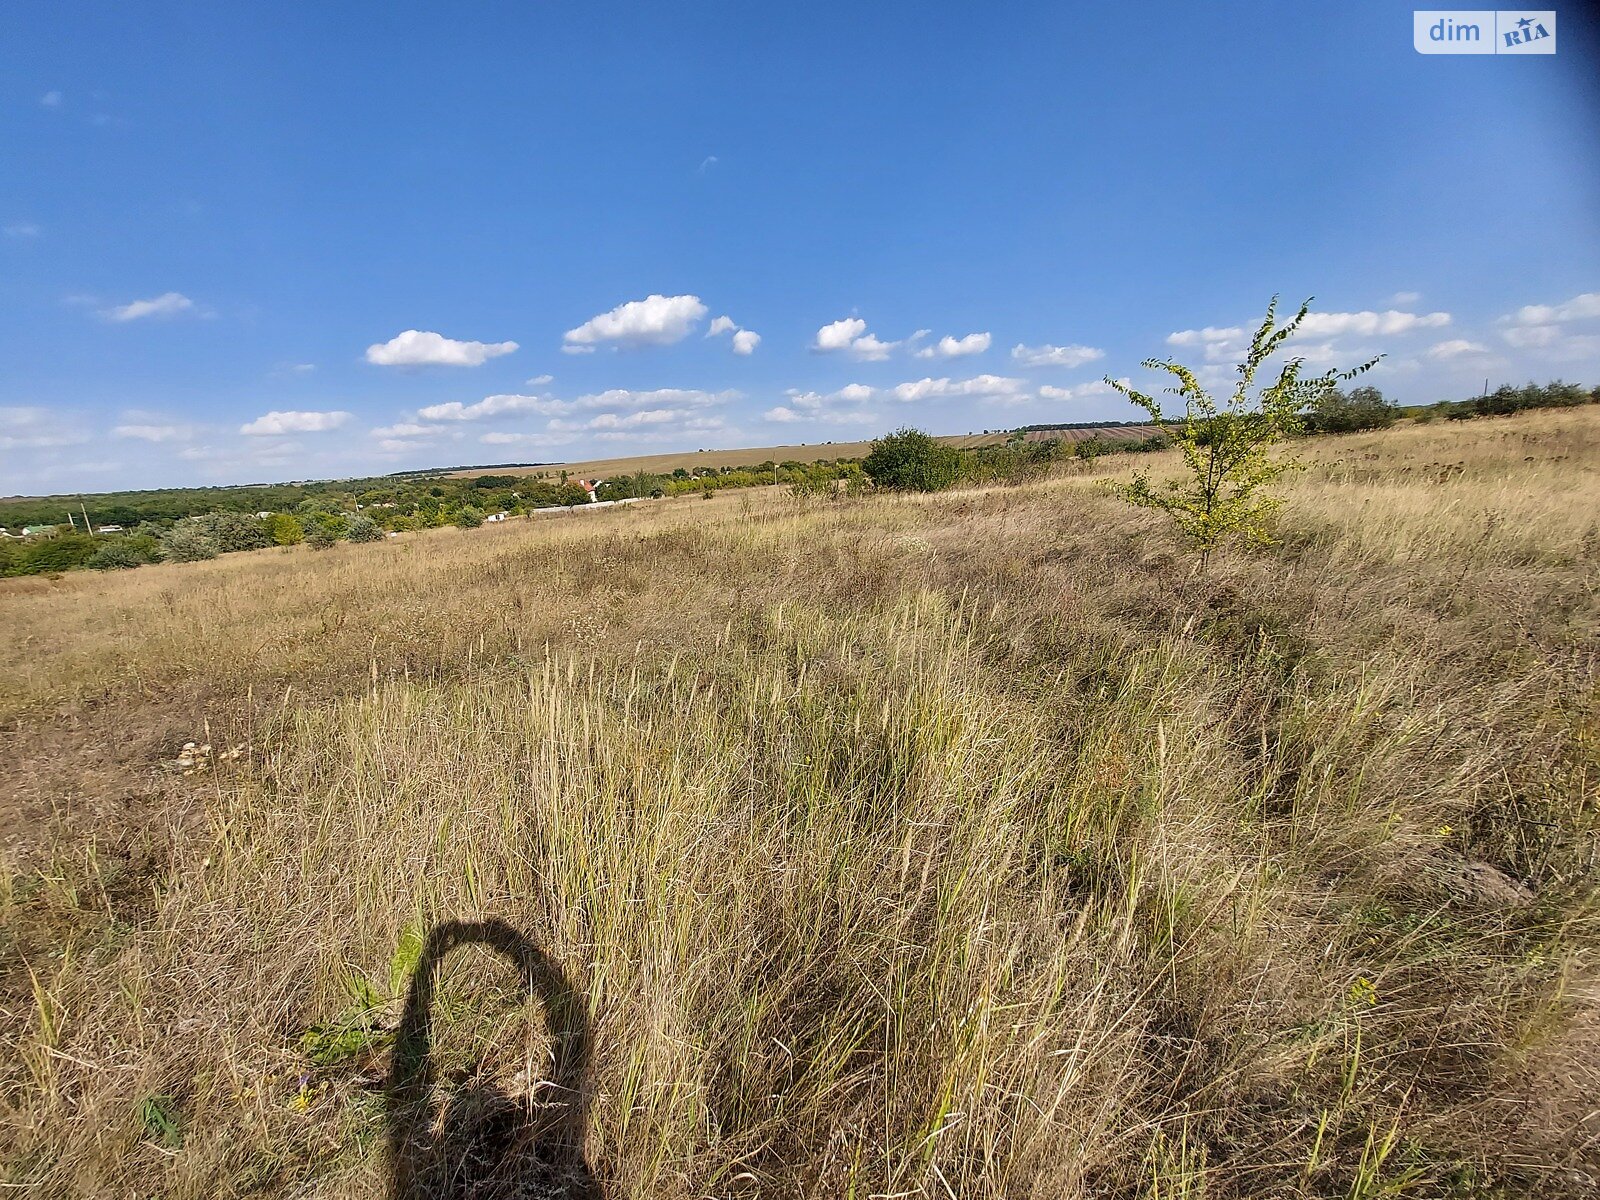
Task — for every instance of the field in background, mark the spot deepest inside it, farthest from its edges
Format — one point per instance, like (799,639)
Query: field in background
(610,468)
(965,845)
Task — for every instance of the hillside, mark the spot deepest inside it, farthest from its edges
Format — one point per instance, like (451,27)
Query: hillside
(129,508)
(607,468)
(963,845)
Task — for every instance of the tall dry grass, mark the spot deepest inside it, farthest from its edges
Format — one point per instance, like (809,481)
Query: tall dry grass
(966,845)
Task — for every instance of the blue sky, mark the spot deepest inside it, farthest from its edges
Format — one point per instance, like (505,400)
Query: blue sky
(255,242)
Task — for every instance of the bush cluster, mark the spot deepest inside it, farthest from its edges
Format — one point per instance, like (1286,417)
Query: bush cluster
(1336,411)
(909,460)
(1506,399)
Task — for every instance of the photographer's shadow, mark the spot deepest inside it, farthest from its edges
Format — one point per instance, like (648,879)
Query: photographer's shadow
(487,1143)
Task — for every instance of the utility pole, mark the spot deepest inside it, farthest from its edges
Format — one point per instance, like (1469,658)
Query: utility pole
(87,528)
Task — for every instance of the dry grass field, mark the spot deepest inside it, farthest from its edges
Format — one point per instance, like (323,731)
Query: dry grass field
(966,846)
(609,468)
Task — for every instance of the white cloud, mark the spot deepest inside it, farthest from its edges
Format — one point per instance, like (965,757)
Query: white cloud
(1554,342)
(1210,335)
(405,429)
(870,349)
(850,336)
(841,407)
(951,347)
(541,380)
(744,340)
(653,321)
(154,433)
(30,427)
(987,387)
(167,304)
(848,404)
(20,230)
(418,348)
(1319,325)
(1078,391)
(501,438)
(275,424)
(1579,308)
(490,406)
(1532,336)
(657,423)
(51,99)
(40,441)
(839,334)
(657,397)
(1228,343)
(1055,356)
(1455,348)
(1317,354)
(1542,327)
(1405,298)
(1367,324)
(302,368)
(647,416)
(22,416)
(549,406)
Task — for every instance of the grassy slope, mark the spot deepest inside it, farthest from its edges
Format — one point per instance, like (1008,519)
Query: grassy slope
(956,845)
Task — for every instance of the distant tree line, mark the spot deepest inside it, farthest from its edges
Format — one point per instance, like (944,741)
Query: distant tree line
(911,460)
(1506,399)
(323,514)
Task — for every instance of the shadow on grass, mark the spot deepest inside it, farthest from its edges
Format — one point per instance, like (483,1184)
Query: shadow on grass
(487,1143)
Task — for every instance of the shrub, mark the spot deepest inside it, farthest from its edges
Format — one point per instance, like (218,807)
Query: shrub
(114,556)
(320,537)
(911,461)
(1503,401)
(469,517)
(188,541)
(62,552)
(1225,446)
(364,529)
(1564,395)
(287,530)
(1335,411)
(234,531)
